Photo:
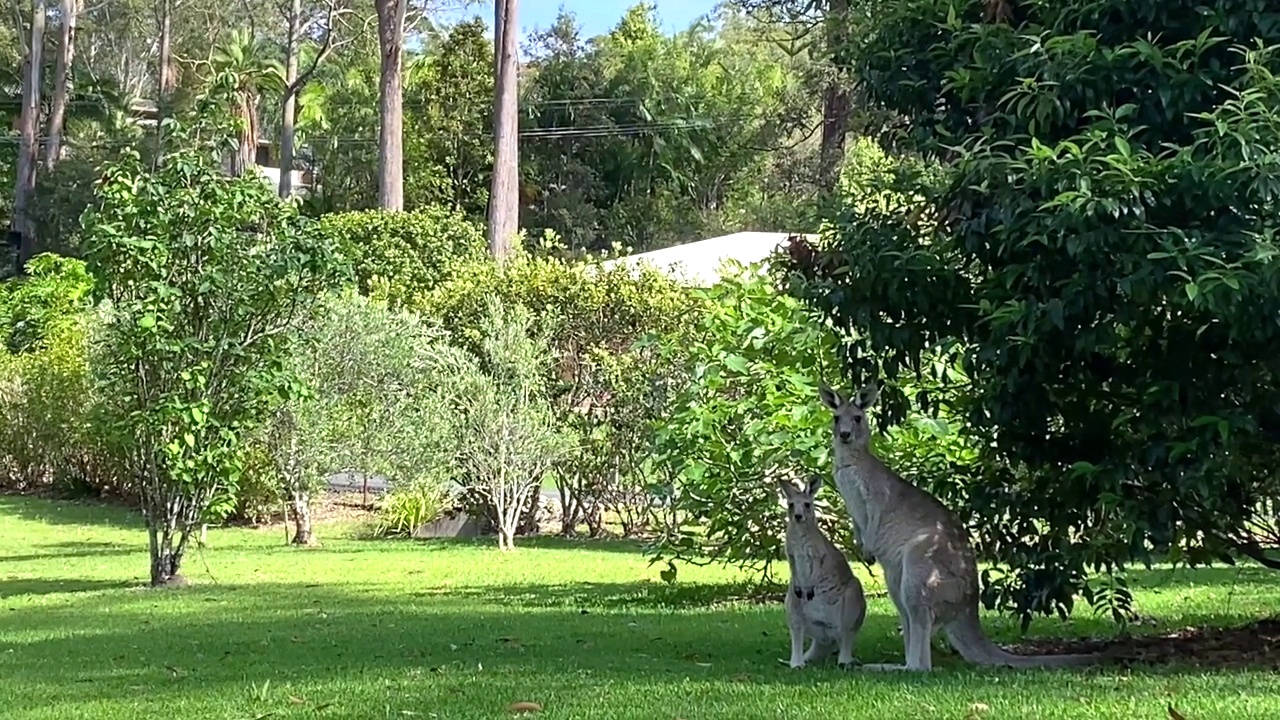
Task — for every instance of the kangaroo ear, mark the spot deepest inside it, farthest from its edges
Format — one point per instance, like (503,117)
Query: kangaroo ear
(815,484)
(784,489)
(867,395)
(830,397)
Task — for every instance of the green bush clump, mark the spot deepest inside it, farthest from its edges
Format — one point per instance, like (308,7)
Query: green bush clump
(404,255)
(46,389)
(408,507)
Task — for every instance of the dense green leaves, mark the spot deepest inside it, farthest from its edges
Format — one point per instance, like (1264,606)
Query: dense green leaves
(606,390)
(404,255)
(743,415)
(204,276)
(1095,245)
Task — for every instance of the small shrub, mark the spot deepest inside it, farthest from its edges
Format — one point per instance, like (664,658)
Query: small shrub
(408,507)
(404,255)
(510,438)
(46,394)
(379,387)
(605,386)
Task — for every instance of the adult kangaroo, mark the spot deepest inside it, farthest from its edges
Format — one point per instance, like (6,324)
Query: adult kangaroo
(930,568)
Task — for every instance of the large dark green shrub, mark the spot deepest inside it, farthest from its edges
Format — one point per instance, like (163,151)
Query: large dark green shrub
(1094,248)
(404,255)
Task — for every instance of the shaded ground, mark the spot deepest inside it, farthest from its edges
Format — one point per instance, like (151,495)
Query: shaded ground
(1253,645)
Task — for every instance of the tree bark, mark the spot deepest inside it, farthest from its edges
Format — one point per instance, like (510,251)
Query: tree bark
(837,99)
(62,82)
(28,144)
(302,530)
(289,105)
(166,555)
(504,191)
(164,77)
(391,15)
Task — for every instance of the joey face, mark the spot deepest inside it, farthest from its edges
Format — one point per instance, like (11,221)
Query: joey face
(799,501)
(849,426)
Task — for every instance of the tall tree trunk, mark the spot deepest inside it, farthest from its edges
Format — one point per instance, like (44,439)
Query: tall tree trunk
(62,82)
(837,100)
(247,145)
(28,146)
(164,74)
(391,14)
(289,105)
(504,192)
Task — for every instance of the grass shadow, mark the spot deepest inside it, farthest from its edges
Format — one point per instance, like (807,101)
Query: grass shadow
(74,549)
(34,586)
(209,636)
(56,511)
(634,596)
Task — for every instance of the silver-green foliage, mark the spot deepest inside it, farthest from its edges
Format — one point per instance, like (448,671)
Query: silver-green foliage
(379,383)
(510,437)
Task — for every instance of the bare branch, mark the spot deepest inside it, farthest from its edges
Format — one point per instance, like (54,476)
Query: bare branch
(326,48)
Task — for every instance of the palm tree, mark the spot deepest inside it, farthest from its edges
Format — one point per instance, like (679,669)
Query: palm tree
(256,66)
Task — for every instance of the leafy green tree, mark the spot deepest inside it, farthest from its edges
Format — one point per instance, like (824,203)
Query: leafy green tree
(1091,245)
(205,276)
(448,141)
(641,138)
(743,417)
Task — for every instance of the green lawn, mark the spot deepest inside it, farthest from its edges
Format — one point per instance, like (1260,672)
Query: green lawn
(374,629)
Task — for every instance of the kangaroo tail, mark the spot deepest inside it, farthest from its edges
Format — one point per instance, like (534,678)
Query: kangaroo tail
(967,637)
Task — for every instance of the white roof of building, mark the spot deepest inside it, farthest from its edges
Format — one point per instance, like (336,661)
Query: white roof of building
(699,263)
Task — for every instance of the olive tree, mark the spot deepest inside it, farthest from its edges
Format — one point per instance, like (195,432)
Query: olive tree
(377,387)
(509,435)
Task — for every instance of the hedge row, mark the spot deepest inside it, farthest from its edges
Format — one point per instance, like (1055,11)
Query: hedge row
(433,262)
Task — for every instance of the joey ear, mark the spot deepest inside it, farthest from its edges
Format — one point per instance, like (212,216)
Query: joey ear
(784,489)
(830,397)
(815,484)
(867,395)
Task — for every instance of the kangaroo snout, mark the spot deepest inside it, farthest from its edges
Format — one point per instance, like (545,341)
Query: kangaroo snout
(844,435)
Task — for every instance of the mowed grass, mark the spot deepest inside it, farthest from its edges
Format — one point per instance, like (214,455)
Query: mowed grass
(381,629)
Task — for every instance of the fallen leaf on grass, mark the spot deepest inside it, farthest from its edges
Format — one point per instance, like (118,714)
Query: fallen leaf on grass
(524,707)
(175,671)
(976,710)
(297,700)
(1175,715)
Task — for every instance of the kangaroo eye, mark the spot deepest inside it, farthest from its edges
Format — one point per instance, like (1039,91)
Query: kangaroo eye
(808,505)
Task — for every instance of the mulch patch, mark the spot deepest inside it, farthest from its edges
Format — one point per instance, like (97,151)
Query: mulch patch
(1255,645)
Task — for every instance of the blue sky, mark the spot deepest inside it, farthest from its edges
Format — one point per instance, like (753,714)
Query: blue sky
(595,16)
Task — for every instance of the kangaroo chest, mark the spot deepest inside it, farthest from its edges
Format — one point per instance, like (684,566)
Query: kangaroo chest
(849,482)
(806,564)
